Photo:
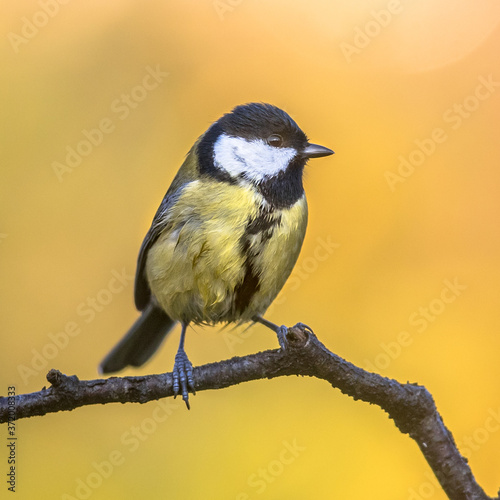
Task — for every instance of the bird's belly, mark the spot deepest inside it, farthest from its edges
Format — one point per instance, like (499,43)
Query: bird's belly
(213,271)
(194,277)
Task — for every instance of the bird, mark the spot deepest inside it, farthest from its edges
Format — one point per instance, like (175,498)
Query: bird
(225,237)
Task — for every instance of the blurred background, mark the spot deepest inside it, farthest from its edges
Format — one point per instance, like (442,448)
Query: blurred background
(399,272)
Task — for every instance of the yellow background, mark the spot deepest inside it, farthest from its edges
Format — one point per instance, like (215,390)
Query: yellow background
(61,238)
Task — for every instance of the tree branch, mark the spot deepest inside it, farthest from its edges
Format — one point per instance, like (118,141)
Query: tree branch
(410,406)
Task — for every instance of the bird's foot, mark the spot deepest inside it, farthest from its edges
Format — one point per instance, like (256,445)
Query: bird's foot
(281,332)
(183,376)
(304,327)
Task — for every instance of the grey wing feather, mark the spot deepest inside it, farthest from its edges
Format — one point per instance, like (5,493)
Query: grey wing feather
(142,293)
(159,224)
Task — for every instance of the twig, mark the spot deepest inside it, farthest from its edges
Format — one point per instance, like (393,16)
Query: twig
(410,406)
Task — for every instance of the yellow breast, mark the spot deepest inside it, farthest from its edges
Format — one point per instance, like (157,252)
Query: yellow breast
(200,261)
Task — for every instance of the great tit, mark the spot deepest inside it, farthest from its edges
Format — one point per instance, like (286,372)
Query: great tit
(225,237)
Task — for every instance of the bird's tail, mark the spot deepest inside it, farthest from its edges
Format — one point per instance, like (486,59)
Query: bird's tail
(140,342)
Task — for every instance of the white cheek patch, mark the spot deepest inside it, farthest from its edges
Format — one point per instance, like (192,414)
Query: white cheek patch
(255,159)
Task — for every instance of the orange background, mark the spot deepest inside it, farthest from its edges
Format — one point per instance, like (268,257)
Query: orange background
(371,80)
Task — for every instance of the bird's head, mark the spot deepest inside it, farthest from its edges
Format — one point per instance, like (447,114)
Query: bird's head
(260,144)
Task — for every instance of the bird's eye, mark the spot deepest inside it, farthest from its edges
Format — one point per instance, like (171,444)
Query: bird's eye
(275,140)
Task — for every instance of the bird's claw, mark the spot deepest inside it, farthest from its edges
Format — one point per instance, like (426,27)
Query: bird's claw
(282,333)
(183,376)
(304,327)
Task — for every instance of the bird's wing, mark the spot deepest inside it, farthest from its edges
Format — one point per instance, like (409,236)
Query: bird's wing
(142,292)
(161,222)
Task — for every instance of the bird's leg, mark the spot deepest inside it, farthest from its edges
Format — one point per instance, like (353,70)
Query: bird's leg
(183,371)
(280,331)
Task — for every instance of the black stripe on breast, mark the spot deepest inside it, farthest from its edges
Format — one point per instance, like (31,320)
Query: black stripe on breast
(264,225)
(250,285)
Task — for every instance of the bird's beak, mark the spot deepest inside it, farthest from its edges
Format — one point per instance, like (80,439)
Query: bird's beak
(316,151)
